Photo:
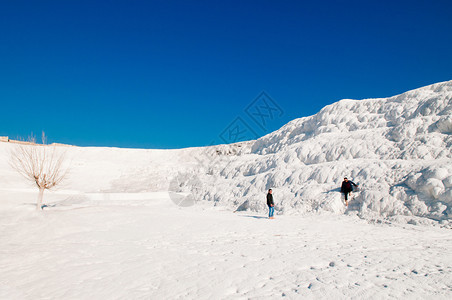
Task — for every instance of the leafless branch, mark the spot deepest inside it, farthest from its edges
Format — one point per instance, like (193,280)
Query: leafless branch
(40,164)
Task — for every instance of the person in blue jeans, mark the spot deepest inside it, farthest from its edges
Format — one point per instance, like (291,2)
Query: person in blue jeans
(270,204)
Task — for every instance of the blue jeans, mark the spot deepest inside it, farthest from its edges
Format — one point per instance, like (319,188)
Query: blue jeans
(271,211)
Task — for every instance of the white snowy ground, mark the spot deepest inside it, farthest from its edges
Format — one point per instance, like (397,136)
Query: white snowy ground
(111,231)
(157,250)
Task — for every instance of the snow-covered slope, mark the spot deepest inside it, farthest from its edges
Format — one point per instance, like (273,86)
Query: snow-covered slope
(399,150)
(113,231)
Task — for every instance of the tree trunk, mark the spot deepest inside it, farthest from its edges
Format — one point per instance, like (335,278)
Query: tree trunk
(40,196)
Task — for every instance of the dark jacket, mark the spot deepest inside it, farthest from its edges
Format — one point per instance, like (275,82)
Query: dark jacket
(270,199)
(347,186)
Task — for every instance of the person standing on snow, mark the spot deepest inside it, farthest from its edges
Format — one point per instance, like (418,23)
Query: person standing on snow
(270,204)
(346,188)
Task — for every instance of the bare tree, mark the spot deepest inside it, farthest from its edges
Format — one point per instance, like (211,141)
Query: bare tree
(41,164)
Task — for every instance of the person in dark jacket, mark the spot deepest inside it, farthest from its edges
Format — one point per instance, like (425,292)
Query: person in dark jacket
(346,188)
(270,204)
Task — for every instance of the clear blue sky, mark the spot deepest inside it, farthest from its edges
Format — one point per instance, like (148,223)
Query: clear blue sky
(171,74)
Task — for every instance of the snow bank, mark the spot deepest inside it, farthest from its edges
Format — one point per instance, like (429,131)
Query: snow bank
(398,149)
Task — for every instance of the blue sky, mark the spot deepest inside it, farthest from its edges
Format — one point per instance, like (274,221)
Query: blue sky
(171,74)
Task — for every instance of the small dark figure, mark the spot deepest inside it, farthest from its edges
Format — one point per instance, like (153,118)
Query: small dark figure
(270,204)
(346,188)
